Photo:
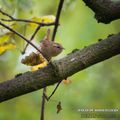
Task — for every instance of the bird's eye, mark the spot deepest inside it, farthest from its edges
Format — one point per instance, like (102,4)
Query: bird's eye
(58,46)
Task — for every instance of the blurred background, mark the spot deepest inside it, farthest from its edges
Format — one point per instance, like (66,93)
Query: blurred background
(94,87)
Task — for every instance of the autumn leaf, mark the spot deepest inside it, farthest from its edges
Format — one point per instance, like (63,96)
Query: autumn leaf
(35,60)
(42,65)
(43,19)
(6,46)
(5,35)
(66,82)
(59,108)
(5,39)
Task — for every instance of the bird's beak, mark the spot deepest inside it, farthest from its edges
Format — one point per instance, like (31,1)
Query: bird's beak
(62,47)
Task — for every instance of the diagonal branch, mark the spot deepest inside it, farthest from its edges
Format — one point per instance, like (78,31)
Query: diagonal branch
(20,35)
(60,69)
(105,10)
(32,37)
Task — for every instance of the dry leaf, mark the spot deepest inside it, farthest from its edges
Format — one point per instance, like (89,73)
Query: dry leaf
(66,82)
(33,59)
(59,108)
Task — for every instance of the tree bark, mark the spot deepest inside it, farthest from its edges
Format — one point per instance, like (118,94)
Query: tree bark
(60,69)
(105,10)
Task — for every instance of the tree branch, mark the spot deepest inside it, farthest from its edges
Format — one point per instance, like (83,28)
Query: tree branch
(57,18)
(60,69)
(43,105)
(32,37)
(24,20)
(105,10)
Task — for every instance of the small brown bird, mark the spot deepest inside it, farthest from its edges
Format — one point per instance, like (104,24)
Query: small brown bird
(50,48)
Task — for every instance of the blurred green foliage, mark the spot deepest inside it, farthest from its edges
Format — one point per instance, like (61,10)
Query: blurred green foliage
(95,87)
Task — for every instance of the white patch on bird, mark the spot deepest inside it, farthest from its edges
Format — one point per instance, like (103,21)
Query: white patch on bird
(72,59)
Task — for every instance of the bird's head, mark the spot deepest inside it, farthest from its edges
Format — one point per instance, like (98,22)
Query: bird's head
(56,49)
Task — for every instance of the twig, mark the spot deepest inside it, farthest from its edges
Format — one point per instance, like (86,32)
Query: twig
(24,20)
(33,35)
(57,18)
(48,98)
(43,105)
(30,21)
(54,90)
(10,29)
(6,14)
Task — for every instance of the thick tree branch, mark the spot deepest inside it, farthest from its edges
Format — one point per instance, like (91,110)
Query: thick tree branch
(105,10)
(60,69)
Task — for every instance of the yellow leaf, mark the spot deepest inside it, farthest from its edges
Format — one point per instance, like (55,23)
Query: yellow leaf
(4,38)
(5,34)
(43,19)
(42,65)
(14,25)
(33,59)
(6,46)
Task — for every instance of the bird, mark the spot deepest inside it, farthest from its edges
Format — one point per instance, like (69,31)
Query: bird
(50,48)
